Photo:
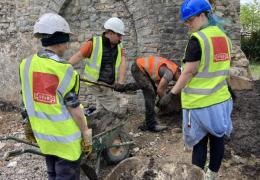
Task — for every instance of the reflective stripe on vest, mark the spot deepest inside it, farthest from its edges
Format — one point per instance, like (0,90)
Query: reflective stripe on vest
(55,118)
(209,85)
(29,100)
(152,64)
(152,74)
(118,60)
(93,64)
(62,139)
(93,61)
(55,130)
(205,73)
(205,91)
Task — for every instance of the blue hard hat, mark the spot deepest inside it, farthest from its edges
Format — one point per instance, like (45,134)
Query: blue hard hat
(191,8)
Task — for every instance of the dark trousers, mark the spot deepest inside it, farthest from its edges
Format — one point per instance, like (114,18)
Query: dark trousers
(199,153)
(143,82)
(61,169)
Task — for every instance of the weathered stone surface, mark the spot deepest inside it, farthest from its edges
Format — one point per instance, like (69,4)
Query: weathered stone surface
(240,83)
(152,27)
(145,168)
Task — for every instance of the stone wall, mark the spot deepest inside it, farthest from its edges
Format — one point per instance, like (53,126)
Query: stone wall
(8,56)
(152,27)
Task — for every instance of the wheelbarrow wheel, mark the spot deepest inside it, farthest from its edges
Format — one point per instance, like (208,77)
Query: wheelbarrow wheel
(114,155)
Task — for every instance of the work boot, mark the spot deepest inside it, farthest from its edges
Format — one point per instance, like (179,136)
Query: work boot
(210,175)
(158,128)
(155,128)
(143,127)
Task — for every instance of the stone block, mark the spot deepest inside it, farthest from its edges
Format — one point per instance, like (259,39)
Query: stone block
(240,83)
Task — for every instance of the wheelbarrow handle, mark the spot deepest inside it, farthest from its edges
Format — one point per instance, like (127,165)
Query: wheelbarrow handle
(21,151)
(18,140)
(108,131)
(121,144)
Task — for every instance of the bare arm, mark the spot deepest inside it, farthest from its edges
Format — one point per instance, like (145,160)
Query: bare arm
(80,119)
(161,89)
(122,69)
(191,68)
(76,58)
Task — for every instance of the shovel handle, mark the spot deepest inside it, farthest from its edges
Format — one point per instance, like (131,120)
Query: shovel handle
(99,84)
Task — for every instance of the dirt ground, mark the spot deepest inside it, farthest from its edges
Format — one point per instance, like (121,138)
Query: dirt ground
(242,154)
(245,139)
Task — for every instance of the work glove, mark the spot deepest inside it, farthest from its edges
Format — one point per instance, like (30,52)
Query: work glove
(28,132)
(119,87)
(166,99)
(27,126)
(86,143)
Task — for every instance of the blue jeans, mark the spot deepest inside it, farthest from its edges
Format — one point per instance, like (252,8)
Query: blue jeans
(61,169)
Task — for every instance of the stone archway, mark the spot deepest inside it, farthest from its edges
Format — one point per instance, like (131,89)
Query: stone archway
(54,6)
(152,28)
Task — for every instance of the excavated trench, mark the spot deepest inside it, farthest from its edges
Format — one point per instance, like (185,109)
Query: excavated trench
(242,148)
(154,155)
(245,139)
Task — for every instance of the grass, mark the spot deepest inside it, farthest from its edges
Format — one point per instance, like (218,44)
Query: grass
(255,69)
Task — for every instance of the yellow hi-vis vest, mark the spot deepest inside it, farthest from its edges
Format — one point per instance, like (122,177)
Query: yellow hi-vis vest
(209,85)
(93,64)
(44,83)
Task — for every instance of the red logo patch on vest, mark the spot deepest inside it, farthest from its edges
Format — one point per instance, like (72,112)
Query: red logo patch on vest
(44,87)
(220,47)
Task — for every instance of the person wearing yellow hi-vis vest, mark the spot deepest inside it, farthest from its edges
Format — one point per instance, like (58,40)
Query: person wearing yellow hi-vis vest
(205,97)
(50,89)
(105,63)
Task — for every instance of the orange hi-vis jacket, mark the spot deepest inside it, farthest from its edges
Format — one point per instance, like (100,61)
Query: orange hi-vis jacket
(152,64)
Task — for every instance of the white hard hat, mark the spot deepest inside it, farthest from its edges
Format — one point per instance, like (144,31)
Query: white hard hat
(50,23)
(115,24)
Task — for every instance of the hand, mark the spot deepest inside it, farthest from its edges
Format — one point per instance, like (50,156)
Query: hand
(29,133)
(166,99)
(86,147)
(119,87)
(86,143)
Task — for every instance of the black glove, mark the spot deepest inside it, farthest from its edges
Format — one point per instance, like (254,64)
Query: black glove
(166,99)
(119,87)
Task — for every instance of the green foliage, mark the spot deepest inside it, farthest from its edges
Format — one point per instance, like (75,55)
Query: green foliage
(255,69)
(251,46)
(250,16)
(250,22)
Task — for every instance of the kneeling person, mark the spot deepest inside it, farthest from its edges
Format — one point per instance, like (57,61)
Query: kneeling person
(152,74)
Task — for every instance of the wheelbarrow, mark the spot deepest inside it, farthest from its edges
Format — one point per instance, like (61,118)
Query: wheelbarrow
(113,145)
